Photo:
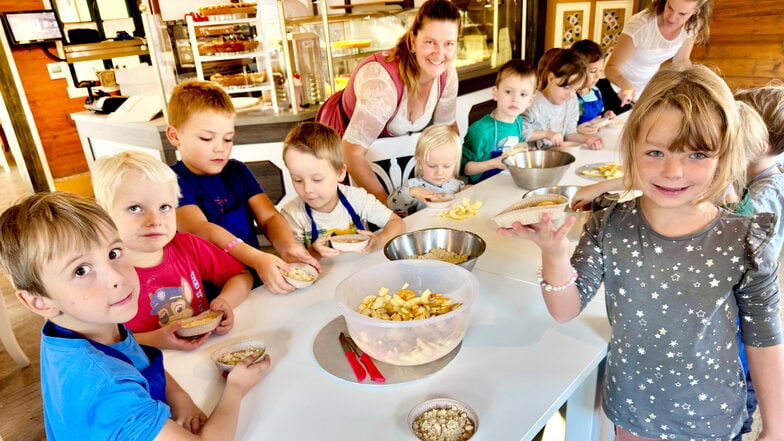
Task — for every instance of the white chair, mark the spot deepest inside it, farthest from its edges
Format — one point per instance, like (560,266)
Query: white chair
(9,340)
(464,105)
(398,150)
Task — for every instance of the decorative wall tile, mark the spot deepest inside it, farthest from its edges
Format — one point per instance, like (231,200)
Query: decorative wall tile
(609,19)
(572,21)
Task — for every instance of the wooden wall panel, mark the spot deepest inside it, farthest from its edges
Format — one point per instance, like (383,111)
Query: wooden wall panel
(746,43)
(49,103)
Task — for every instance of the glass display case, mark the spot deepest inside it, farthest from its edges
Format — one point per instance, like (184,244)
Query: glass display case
(313,47)
(322,50)
(229,50)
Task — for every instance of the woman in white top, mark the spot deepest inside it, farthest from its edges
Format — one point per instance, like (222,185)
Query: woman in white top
(422,61)
(666,29)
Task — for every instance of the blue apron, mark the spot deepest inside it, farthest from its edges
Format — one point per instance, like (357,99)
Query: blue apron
(154,373)
(498,151)
(590,109)
(354,217)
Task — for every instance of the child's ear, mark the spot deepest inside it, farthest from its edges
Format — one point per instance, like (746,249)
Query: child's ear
(173,136)
(38,304)
(550,78)
(495,93)
(342,173)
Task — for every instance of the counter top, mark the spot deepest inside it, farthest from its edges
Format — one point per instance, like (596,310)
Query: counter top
(516,366)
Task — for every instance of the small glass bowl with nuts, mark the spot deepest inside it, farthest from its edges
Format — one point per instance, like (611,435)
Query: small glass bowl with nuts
(443,419)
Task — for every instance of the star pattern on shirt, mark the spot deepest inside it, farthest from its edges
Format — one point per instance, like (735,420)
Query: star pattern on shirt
(680,288)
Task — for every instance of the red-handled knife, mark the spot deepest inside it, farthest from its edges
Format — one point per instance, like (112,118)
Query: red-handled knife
(375,374)
(351,356)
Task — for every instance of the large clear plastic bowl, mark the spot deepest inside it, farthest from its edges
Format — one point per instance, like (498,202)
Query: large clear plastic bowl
(414,342)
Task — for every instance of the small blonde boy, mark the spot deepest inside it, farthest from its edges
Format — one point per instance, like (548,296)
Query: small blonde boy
(437,155)
(221,198)
(504,127)
(140,194)
(313,156)
(67,263)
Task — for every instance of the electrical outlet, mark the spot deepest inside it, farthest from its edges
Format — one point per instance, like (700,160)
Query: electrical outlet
(56,70)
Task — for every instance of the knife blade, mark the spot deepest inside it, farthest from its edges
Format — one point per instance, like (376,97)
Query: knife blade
(375,374)
(351,356)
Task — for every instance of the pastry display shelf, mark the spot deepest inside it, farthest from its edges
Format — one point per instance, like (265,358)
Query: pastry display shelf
(233,56)
(256,61)
(245,89)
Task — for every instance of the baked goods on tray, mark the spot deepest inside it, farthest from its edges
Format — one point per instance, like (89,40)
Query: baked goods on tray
(239,79)
(220,46)
(228,8)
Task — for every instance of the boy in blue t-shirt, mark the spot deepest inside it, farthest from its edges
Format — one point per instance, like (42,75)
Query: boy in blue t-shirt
(221,198)
(65,258)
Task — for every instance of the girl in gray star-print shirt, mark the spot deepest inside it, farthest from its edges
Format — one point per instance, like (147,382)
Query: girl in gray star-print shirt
(677,272)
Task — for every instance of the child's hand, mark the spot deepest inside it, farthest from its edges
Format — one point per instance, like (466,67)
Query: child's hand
(296,252)
(166,338)
(227,322)
(556,138)
(420,193)
(245,375)
(320,246)
(550,240)
(609,114)
(587,128)
(583,198)
(270,269)
(497,162)
(595,142)
(372,243)
(185,412)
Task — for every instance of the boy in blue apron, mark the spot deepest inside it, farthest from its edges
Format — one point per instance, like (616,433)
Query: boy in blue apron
(65,259)
(313,155)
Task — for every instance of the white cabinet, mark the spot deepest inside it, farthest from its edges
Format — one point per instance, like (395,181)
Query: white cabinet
(233,52)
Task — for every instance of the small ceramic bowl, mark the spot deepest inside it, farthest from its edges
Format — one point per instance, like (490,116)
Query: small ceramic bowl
(529,211)
(302,275)
(228,356)
(349,242)
(441,201)
(200,324)
(467,418)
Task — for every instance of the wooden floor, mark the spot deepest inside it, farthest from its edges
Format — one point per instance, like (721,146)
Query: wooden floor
(21,417)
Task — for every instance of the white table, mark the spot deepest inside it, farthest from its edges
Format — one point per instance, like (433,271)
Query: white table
(516,366)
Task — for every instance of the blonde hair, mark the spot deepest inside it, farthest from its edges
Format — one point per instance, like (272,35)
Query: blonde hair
(435,10)
(768,101)
(753,129)
(316,139)
(697,23)
(109,171)
(432,138)
(710,124)
(194,96)
(43,227)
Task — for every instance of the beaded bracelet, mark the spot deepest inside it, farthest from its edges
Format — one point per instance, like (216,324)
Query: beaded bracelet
(231,244)
(550,288)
